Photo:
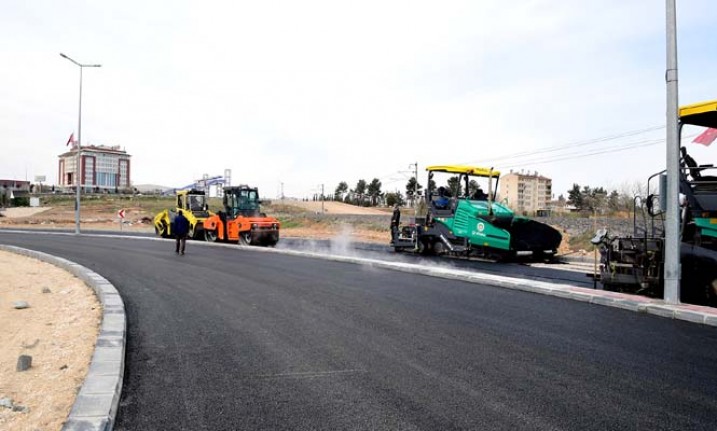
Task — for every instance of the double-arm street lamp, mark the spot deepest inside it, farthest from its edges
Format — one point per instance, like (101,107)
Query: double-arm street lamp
(79,140)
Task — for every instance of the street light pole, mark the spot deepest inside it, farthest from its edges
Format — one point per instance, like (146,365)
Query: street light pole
(415,190)
(672,218)
(78,175)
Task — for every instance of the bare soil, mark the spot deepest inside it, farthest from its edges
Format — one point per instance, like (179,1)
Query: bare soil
(58,330)
(335,208)
(95,218)
(334,231)
(139,220)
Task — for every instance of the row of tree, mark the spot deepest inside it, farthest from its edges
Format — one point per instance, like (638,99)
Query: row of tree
(364,194)
(370,194)
(582,198)
(598,199)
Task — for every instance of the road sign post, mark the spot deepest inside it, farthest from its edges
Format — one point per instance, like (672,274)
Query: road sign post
(120,217)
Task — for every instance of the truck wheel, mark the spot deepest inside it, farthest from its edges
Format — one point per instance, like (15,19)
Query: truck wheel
(425,248)
(210,235)
(163,230)
(245,238)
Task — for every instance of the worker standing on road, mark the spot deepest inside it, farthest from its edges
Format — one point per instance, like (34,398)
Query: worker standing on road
(395,221)
(181,229)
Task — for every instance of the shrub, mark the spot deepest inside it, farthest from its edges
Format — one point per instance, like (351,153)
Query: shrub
(21,202)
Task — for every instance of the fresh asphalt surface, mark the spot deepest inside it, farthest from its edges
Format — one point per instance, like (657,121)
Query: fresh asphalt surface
(224,339)
(554,273)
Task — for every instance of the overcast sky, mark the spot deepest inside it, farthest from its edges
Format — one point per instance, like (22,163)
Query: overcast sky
(306,93)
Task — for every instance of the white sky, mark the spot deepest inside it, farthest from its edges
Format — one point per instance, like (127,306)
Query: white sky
(306,93)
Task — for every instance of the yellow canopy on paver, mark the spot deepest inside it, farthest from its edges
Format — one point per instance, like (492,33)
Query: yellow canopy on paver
(461,169)
(700,114)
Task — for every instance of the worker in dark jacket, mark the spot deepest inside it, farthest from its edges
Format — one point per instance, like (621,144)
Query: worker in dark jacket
(395,221)
(181,229)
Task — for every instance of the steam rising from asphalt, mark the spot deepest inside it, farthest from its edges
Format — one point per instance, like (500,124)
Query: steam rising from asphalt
(343,245)
(340,244)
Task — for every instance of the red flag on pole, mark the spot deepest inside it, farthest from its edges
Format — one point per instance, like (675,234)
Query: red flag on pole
(707,137)
(71,140)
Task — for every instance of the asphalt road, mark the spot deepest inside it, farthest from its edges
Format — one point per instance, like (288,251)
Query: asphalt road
(225,339)
(559,273)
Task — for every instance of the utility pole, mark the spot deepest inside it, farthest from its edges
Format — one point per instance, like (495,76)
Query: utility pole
(672,219)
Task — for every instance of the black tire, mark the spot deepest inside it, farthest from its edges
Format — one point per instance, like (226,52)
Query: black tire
(712,293)
(163,230)
(438,248)
(709,292)
(198,231)
(210,235)
(425,248)
(245,238)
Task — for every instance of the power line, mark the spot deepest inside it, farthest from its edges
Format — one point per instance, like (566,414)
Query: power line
(582,155)
(613,149)
(572,145)
(583,152)
(529,157)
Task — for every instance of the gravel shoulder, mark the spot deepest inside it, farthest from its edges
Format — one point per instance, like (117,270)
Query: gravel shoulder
(58,330)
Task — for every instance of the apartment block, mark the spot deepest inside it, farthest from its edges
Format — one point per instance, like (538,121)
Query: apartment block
(525,192)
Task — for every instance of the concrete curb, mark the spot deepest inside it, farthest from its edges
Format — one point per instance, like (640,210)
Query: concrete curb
(96,404)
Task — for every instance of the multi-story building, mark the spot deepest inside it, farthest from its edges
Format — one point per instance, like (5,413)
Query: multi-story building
(526,193)
(11,189)
(102,169)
